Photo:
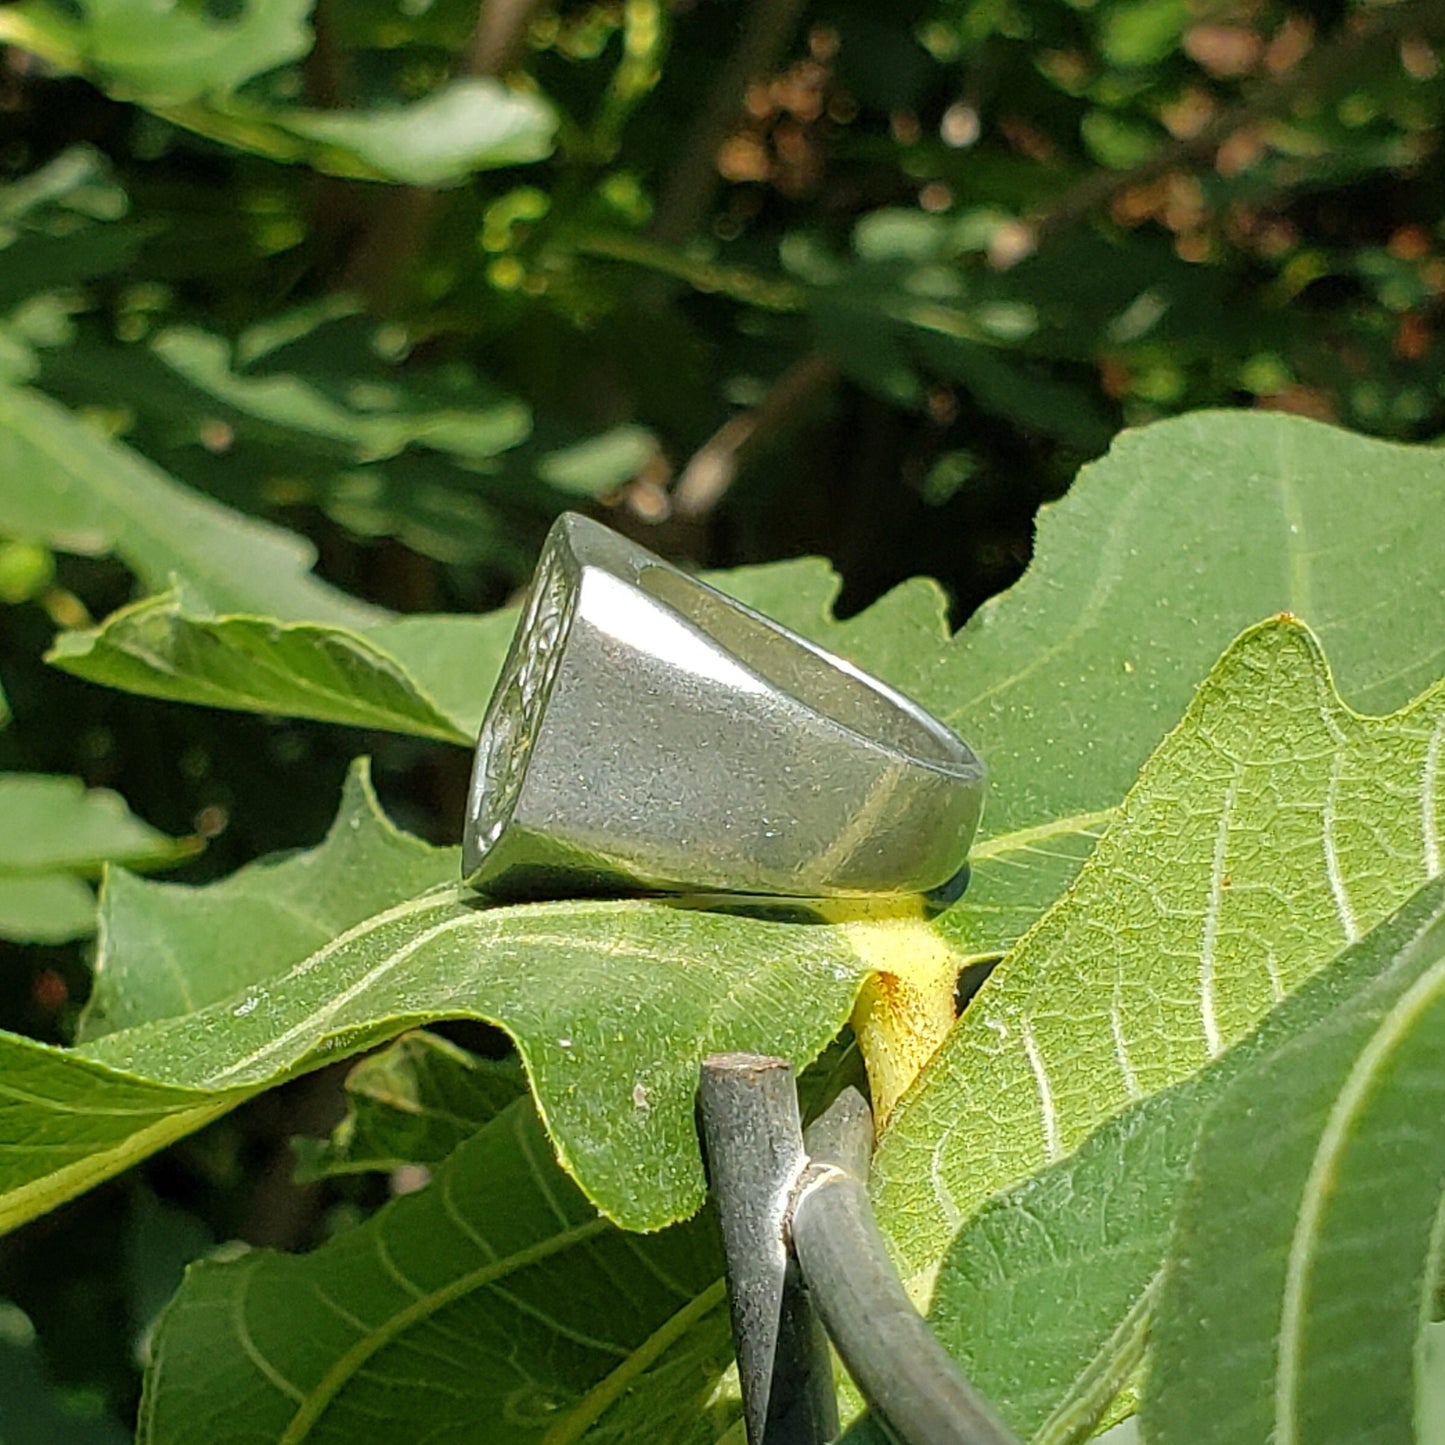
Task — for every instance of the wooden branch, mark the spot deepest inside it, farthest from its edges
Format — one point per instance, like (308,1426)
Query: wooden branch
(688,193)
(498,42)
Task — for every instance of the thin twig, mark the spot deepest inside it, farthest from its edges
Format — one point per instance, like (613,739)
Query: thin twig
(687,196)
(713,466)
(500,38)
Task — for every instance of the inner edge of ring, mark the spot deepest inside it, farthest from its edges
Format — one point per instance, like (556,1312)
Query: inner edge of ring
(947,753)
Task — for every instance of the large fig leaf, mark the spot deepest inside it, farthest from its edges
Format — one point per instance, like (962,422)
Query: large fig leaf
(1328,1159)
(612,1003)
(1272,827)
(493,1300)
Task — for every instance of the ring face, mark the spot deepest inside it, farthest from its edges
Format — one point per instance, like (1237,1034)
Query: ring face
(649,733)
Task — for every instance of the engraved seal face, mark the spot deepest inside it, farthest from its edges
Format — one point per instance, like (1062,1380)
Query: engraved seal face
(515,712)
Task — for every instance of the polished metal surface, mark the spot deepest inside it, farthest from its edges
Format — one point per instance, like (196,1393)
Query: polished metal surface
(649,733)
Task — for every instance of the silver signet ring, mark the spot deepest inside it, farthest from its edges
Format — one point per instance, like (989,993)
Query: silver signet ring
(649,733)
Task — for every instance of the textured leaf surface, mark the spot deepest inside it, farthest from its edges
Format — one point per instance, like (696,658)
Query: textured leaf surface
(613,1005)
(1161,553)
(67,484)
(1045,1297)
(494,1299)
(66,1123)
(53,833)
(412,1102)
(1271,828)
(167,949)
(1328,1159)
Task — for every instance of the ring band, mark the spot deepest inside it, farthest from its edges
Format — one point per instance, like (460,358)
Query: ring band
(649,733)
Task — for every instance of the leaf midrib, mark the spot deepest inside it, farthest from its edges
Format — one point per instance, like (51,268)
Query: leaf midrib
(316,1401)
(595,1403)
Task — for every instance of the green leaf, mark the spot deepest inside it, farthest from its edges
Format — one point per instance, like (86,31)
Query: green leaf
(368,420)
(613,1004)
(412,1102)
(611,1032)
(1046,1295)
(55,833)
(1186,533)
(600,463)
(66,1123)
(54,823)
(163,53)
(69,485)
(300,669)
(187,67)
(427,1310)
(45,908)
(472,124)
(167,949)
(1315,1331)
(1272,827)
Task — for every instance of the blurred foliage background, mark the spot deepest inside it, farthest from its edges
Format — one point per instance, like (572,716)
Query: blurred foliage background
(745,278)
